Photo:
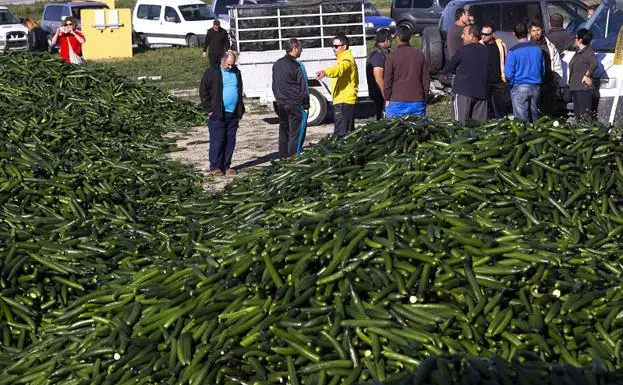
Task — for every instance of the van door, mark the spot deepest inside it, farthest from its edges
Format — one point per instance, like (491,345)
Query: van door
(52,18)
(173,27)
(427,13)
(147,23)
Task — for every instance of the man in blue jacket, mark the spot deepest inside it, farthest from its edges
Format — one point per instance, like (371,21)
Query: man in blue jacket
(524,71)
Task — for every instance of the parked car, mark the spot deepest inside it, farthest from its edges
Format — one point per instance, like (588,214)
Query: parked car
(375,21)
(55,13)
(417,14)
(13,35)
(219,7)
(175,22)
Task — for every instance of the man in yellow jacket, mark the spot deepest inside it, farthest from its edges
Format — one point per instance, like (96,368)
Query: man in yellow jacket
(344,86)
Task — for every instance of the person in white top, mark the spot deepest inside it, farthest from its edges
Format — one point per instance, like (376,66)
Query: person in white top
(553,74)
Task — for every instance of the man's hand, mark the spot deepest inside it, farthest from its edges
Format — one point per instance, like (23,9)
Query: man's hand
(320,75)
(386,103)
(204,54)
(587,80)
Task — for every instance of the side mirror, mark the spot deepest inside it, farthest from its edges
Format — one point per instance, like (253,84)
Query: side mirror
(21,20)
(64,17)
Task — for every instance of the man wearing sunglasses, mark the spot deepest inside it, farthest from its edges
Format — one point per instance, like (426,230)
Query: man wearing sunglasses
(344,86)
(496,83)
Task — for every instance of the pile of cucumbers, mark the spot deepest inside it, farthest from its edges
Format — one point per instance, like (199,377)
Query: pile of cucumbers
(358,261)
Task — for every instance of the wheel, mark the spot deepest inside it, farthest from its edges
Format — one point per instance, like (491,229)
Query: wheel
(407,24)
(432,46)
(140,40)
(192,41)
(317,108)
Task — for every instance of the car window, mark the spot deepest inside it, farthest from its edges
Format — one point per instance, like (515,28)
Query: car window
(196,12)
(221,6)
(76,10)
(170,15)
(519,12)
(154,12)
(423,3)
(370,10)
(487,14)
(402,4)
(6,17)
(53,13)
(143,11)
(573,14)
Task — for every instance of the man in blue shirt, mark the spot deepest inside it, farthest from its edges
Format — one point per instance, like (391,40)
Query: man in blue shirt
(221,97)
(524,71)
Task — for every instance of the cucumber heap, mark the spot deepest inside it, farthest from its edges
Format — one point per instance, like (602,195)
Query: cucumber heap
(355,261)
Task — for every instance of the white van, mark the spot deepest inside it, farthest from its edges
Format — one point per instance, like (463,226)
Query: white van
(175,22)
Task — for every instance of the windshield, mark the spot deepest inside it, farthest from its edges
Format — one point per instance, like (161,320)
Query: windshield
(6,17)
(75,11)
(605,25)
(196,12)
(370,10)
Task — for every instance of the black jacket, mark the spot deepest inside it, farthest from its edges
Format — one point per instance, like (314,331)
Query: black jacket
(561,39)
(290,82)
(37,40)
(211,92)
(471,75)
(583,62)
(218,42)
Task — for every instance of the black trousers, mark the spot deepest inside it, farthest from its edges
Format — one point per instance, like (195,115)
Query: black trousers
(497,100)
(292,128)
(379,106)
(547,98)
(585,104)
(468,108)
(344,116)
(215,59)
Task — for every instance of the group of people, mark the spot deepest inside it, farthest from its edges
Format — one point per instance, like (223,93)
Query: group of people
(483,72)
(68,38)
(221,96)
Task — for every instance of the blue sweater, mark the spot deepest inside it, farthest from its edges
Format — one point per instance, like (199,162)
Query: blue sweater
(524,65)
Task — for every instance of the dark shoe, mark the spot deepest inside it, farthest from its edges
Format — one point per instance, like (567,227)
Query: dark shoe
(231,172)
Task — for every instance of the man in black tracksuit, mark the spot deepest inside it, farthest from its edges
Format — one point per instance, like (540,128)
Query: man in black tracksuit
(291,91)
(215,44)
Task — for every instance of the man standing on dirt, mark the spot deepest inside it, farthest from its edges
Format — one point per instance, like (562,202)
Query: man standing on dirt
(221,97)
(344,86)
(215,44)
(406,78)
(375,67)
(470,83)
(291,91)
(455,33)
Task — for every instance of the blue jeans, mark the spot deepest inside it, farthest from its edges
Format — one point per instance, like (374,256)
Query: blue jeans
(525,98)
(394,109)
(222,140)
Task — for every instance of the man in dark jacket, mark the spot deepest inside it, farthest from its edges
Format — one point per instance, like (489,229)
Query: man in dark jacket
(557,34)
(470,83)
(291,91)
(215,44)
(221,97)
(375,67)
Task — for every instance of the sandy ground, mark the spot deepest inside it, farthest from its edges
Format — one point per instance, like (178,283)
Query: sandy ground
(256,142)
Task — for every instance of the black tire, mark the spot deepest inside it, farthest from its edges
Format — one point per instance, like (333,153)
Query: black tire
(432,45)
(192,41)
(317,108)
(139,40)
(407,24)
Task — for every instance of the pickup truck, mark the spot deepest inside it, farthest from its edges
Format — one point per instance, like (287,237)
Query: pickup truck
(258,32)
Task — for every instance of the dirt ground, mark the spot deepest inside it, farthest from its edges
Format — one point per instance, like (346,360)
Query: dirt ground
(256,142)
